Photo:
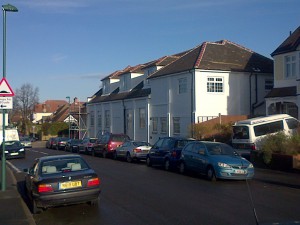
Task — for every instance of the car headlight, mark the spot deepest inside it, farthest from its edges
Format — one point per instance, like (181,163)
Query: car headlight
(220,164)
(250,165)
(21,150)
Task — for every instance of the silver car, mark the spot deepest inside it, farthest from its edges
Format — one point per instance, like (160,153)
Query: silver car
(132,150)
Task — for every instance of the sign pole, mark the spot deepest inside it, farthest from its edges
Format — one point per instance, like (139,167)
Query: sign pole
(5,8)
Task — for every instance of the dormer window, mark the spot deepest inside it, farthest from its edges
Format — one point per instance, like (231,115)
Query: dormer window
(290,66)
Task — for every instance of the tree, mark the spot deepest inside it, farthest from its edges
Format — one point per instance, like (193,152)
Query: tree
(26,97)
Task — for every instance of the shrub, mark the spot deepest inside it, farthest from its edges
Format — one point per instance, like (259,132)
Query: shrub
(281,144)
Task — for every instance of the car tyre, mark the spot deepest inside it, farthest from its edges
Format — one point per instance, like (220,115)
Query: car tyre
(210,174)
(128,157)
(148,161)
(35,209)
(167,165)
(104,154)
(182,168)
(115,156)
(94,202)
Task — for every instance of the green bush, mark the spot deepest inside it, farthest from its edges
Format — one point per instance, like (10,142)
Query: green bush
(281,144)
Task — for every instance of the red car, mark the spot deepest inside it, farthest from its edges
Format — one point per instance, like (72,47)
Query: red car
(107,143)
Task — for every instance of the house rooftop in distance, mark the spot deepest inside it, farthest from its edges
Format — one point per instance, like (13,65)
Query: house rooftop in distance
(290,44)
(49,106)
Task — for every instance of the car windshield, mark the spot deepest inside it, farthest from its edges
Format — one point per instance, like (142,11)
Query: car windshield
(12,144)
(219,149)
(63,165)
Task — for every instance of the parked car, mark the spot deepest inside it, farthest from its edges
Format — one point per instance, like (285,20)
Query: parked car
(166,152)
(107,144)
(13,149)
(132,150)
(26,142)
(61,180)
(49,143)
(87,145)
(59,143)
(215,160)
(72,145)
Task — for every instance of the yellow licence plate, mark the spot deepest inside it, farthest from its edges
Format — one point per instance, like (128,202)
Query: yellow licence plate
(70,184)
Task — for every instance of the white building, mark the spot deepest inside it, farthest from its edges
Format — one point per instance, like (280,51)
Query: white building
(285,97)
(166,96)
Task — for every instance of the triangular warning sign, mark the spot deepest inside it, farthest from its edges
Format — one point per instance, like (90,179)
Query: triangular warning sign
(5,89)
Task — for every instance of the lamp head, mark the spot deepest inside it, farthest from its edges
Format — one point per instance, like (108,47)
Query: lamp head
(9,8)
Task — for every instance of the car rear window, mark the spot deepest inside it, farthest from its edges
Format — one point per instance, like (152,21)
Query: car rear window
(240,132)
(63,165)
(93,140)
(119,138)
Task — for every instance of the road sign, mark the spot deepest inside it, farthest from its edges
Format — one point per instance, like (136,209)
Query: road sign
(6,102)
(5,89)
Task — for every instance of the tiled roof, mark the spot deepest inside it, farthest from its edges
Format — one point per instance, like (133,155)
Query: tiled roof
(49,106)
(136,92)
(117,73)
(282,92)
(290,44)
(61,114)
(223,55)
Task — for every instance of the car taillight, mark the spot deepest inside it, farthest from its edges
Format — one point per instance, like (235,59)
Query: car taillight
(174,154)
(253,147)
(136,150)
(42,188)
(93,182)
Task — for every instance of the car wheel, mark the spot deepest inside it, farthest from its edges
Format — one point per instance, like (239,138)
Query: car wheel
(94,202)
(104,155)
(35,209)
(182,168)
(210,174)
(115,156)
(93,153)
(148,161)
(167,164)
(128,157)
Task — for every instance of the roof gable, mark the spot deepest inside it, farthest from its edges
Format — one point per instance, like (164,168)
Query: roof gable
(290,44)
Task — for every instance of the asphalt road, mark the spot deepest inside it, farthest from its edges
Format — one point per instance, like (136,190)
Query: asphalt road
(134,194)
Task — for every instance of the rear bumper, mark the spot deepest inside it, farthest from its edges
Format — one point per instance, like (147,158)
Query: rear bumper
(75,197)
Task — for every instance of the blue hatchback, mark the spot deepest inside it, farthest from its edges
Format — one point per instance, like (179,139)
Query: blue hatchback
(215,160)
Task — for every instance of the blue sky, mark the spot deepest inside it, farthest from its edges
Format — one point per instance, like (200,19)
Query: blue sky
(65,47)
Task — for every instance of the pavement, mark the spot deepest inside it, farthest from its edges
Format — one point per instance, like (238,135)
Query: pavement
(13,210)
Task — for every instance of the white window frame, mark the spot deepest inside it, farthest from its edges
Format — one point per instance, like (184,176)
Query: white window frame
(176,125)
(99,122)
(215,85)
(92,116)
(163,125)
(182,85)
(142,114)
(154,125)
(107,119)
(290,66)
(269,84)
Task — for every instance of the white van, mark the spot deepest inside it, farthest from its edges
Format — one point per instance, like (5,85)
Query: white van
(11,134)
(248,134)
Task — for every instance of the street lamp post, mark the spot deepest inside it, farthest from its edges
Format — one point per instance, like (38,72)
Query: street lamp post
(5,8)
(68,97)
